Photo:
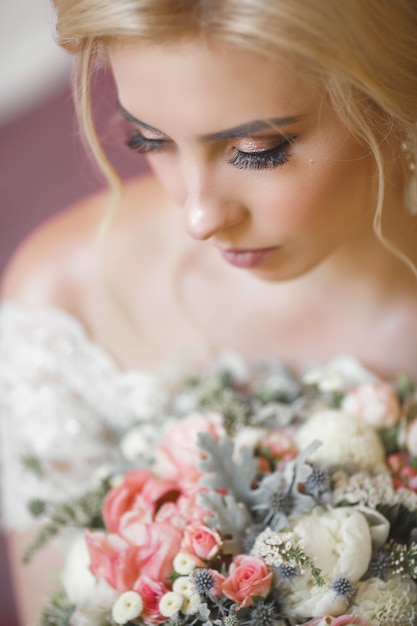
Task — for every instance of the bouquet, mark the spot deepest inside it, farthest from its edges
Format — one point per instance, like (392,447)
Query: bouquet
(259,498)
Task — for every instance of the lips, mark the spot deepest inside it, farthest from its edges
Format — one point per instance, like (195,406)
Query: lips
(246,259)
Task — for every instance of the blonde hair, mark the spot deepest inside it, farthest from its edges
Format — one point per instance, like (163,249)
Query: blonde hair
(363,52)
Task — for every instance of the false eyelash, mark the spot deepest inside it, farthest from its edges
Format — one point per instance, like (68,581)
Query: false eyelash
(138,143)
(265,159)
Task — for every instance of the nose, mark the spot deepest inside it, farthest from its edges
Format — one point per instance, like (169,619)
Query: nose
(209,210)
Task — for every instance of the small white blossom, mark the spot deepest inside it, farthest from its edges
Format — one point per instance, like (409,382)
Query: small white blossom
(184,585)
(127,607)
(191,605)
(138,443)
(170,604)
(184,564)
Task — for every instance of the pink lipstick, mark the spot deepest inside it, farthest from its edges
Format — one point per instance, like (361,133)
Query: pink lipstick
(246,259)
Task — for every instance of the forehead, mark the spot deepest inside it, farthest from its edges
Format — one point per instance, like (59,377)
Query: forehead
(206,87)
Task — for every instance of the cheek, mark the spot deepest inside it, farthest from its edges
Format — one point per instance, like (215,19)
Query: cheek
(324,197)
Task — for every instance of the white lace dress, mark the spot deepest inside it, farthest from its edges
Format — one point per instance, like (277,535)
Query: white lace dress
(63,400)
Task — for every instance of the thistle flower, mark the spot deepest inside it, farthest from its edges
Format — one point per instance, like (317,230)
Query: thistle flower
(343,587)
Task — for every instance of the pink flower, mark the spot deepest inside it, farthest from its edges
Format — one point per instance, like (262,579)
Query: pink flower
(177,458)
(201,541)
(156,544)
(374,403)
(140,490)
(113,559)
(342,620)
(248,577)
(151,593)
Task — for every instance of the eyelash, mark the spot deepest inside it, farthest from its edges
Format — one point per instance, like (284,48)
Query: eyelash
(264,159)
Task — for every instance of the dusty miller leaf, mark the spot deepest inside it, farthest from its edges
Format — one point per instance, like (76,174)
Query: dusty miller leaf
(229,517)
(225,472)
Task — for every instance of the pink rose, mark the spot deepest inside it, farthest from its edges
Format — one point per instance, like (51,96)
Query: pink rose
(201,541)
(248,577)
(151,593)
(374,403)
(113,559)
(140,490)
(177,458)
(156,544)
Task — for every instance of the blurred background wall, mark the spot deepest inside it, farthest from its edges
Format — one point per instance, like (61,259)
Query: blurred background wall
(43,166)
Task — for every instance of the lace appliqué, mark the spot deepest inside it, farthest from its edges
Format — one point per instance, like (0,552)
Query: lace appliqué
(63,403)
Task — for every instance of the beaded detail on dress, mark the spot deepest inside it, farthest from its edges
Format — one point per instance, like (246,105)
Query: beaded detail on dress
(63,401)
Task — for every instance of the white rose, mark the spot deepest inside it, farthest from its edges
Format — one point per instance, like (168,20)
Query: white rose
(78,581)
(338,540)
(344,440)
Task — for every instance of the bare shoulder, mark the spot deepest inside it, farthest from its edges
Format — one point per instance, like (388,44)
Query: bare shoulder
(55,263)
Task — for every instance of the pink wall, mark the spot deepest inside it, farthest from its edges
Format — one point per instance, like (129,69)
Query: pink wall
(43,169)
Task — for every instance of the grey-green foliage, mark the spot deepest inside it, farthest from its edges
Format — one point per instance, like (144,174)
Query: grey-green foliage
(229,517)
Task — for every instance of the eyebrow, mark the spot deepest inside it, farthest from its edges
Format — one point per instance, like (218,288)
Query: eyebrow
(244,130)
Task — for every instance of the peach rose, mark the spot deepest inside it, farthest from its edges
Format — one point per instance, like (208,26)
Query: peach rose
(201,541)
(248,577)
(113,559)
(140,490)
(151,593)
(177,458)
(374,403)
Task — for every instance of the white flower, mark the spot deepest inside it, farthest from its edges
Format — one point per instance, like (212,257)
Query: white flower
(338,540)
(344,440)
(374,403)
(248,437)
(184,585)
(234,365)
(127,607)
(191,604)
(303,599)
(184,564)
(170,604)
(138,443)
(77,580)
(386,603)
(339,374)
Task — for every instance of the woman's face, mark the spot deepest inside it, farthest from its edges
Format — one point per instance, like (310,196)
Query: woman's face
(253,155)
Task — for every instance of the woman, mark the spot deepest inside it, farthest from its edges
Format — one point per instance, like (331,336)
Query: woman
(279,219)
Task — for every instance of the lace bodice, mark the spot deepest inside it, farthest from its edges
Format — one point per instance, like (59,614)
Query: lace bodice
(63,400)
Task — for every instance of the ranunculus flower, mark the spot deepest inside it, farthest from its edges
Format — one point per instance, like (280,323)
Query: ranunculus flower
(156,545)
(151,593)
(177,458)
(248,577)
(344,440)
(113,559)
(201,540)
(374,403)
(139,491)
